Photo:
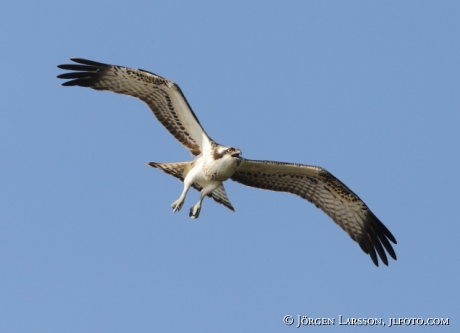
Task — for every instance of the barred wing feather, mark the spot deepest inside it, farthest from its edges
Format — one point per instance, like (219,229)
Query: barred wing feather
(321,188)
(162,96)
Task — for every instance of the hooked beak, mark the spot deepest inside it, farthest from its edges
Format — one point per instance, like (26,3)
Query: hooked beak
(236,154)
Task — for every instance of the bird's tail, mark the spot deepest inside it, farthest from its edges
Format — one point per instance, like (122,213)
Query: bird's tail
(177,169)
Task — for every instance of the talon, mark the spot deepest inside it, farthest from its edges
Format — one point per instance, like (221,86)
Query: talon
(177,205)
(194,213)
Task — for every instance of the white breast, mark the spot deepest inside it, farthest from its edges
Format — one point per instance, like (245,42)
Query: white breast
(220,169)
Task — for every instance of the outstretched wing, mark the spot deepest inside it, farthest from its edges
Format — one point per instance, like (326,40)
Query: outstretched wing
(177,170)
(163,96)
(321,188)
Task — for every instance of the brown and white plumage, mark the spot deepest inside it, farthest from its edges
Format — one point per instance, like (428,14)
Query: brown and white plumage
(326,192)
(162,96)
(214,163)
(180,169)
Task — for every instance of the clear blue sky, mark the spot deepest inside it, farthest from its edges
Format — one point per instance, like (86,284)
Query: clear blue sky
(367,90)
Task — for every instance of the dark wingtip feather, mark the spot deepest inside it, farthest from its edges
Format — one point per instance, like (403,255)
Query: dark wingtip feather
(375,234)
(78,82)
(389,235)
(70,83)
(87,62)
(380,226)
(82,75)
(379,248)
(369,249)
(363,247)
(388,247)
(373,256)
(74,75)
(72,67)
(152,164)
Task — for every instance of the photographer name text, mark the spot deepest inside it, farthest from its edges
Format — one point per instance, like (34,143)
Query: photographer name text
(341,320)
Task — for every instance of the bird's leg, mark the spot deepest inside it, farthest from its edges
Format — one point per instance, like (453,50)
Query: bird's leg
(195,210)
(177,205)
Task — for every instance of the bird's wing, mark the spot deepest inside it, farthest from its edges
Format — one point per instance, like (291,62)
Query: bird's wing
(177,170)
(162,96)
(321,188)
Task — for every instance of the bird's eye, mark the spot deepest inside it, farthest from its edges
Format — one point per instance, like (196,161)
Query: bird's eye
(230,150)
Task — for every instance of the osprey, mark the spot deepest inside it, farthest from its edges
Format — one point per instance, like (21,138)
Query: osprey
(214,163)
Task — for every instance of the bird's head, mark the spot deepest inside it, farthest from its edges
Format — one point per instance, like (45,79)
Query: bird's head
(226,152)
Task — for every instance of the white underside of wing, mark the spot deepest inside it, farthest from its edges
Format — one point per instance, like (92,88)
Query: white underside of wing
(187,119)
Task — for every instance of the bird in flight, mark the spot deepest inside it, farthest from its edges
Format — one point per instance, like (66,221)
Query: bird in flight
(214,163)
